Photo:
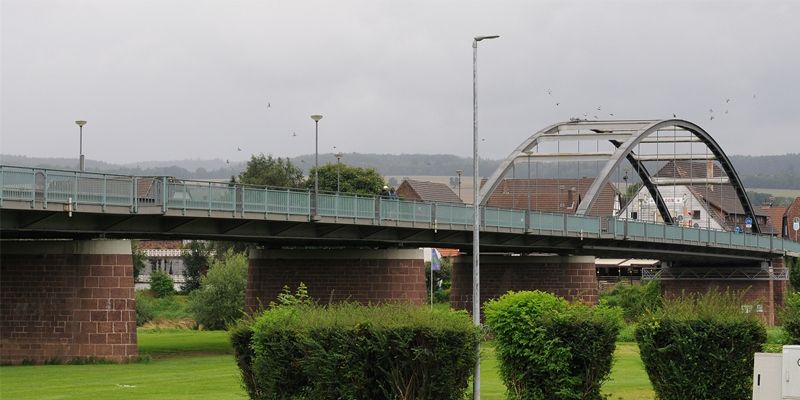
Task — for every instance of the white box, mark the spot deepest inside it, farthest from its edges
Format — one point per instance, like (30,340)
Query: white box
(790,373)
(767,376)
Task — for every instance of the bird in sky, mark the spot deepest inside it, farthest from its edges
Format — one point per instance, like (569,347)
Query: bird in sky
(549,92)
(228,162)
(712,118)
(238,149)
(294,134)
(598,108)
(610,114)
(557,104)
(269,105)
(711,110)
(727,100)
(674,116)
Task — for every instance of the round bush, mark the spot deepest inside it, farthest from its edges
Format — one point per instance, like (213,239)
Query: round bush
(551,349)
(700,347)
(161,284)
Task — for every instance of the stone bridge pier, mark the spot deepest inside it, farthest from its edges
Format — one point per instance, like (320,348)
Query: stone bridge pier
(66,300)
(335,275)
(571,277)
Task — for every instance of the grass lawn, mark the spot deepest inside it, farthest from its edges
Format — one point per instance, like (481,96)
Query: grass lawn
(190,364)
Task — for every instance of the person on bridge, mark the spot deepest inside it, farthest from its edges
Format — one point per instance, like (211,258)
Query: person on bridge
(385,192)
(392,194)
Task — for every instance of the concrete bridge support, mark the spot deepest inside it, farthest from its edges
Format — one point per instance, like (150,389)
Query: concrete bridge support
(66,300)
(364,276)
(571,277)
(762,295)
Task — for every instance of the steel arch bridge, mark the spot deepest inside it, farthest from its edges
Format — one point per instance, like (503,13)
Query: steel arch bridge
(676,146)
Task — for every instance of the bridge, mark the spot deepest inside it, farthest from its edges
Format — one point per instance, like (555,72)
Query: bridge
(572,191)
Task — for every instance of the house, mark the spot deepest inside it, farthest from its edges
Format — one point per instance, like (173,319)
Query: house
(164,256)
(708,205)
(553,195)
(792,213)
(426,191)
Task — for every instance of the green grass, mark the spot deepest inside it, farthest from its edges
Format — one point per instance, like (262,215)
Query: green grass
(189,364)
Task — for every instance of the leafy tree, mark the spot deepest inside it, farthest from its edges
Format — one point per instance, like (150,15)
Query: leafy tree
(355,180)
(219,249)
(139,259)
(793,265)
(220,299)
(265,170)
(195,262)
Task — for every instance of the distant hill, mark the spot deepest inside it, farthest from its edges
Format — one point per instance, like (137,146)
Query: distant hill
(767,172)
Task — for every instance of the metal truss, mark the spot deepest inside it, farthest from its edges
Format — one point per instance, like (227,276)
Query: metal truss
(714,274)
(626,136)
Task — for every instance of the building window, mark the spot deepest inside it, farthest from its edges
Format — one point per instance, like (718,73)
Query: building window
(696,214)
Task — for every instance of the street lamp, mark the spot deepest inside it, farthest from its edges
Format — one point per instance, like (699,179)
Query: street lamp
(316,118)
(339,156)
(459,172)
(81,165)
(476,275)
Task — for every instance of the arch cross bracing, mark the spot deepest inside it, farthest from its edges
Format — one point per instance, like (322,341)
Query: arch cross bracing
(626,136)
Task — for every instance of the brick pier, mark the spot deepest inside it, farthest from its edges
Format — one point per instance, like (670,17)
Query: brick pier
(364,276)
(571,277)
(65,300)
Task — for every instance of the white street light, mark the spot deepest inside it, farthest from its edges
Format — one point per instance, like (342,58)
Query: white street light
(476,275)
(81,165)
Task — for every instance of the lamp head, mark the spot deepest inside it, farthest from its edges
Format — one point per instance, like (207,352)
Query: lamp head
(316,117)
(479,38)
(80,123)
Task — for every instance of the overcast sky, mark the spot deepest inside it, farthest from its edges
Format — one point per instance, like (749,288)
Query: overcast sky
(160,80)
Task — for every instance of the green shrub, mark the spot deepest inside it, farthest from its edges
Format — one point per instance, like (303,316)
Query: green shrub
(351,351)
(551,349)
(220,299)
(700,347)
(144,308)
(635,300)
(161,284)
(241,337)
(791,318)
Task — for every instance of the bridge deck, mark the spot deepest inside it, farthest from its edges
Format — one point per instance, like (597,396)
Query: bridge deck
(52,203)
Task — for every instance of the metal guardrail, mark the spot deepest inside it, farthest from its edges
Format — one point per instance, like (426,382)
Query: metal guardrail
(45,186)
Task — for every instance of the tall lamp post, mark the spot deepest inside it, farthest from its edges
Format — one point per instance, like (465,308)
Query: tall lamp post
(339,156)
(476,249)
(316,118)
(81,164)
(459,172)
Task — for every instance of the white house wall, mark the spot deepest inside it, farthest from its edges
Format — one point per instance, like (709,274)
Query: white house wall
(680,202)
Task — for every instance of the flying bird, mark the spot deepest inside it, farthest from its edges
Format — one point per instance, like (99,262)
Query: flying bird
(269,105)
(611,114)
(598,108)
(557,104)
(727,100)
(549,92)
(711,110)
(238,149)
(294,134)
(674,116)
(712,118)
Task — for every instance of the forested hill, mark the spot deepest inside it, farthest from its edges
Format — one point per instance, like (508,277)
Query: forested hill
(774,172)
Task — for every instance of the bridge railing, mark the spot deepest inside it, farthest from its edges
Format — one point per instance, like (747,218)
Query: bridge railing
(45,186)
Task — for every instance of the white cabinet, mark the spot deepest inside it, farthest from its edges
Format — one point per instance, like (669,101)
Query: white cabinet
(790,378)
(767,376)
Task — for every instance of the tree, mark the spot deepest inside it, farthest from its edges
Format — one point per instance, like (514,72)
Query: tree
(268,171)
(195,263)
(793,266)
(220,299)
(161,284)
(139,259)
(355,180)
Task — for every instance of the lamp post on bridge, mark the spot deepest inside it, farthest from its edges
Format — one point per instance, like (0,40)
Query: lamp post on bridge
(459,172)
(81,165)
(476,249)
(339,156)
(316,118)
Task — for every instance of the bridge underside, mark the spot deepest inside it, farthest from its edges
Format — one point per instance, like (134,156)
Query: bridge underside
(281,231)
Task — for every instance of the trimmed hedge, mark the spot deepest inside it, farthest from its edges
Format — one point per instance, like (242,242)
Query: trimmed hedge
(701,347)
(552,349)
(791,318)
(349,351)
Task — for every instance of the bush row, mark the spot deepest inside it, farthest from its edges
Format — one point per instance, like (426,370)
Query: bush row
(350,351)
(552,349)
(700,347)
(791,318)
